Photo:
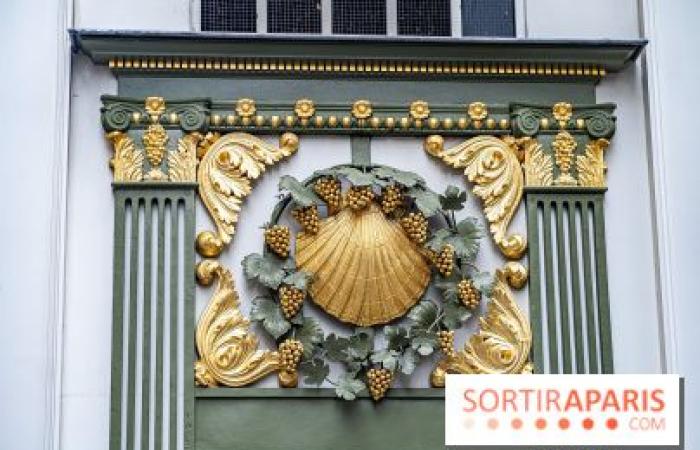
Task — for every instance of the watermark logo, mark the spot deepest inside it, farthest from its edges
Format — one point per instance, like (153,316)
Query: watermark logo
(546,410)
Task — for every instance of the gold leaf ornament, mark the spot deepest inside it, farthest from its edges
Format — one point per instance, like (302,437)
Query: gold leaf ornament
(182,164)
(591,165)
(228,351)
(493,165)
(502,344)
(538,166)
(127,162)
(225,178)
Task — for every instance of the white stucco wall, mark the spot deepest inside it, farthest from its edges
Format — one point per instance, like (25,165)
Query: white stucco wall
(31,86)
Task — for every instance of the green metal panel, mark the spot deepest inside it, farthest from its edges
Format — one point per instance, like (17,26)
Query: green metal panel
(314,419)
(139,262)
(561,218)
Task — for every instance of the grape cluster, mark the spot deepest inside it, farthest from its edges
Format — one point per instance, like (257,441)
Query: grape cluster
(379,381)
(290,354)
(468,294)
(446,341)
(291,300)
(416,226)
(359,197)
(277,238)
(308,218)
(445,260)
(391,199)
(328,188)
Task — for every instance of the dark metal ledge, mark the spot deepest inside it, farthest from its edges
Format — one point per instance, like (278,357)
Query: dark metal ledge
(164,51)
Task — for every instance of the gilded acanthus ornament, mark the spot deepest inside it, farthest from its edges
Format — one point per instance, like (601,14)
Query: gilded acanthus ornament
(493,165)
(419,110)
(591,165)
(564,146)
(502,344)
(361,109)
(538,165)
(182,164)
(127,162)
(225,176)
(228,351)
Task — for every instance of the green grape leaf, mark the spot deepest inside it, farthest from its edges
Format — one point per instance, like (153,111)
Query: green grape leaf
(483,281)
(356,177)
(303,195)
(466,246)
(389,359)
(348,387)
(266,311)
(424,343)
(336,347)
(396,337)
(407,179)
(454,315)
(268,270)
(309,335)
(315,371)
(424,314)
(437,240)
(361,344)
(408,361)
(428,202)
(453,199)
(299,280)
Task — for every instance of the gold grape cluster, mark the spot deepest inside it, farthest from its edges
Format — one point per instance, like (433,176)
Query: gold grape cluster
(379,381)
(290,354)
(416,226)
(446,341)
(359,197)
(328,189)
(308,218)
(444,260)
(291,300)
(391,199)
(468,294)
(277,238)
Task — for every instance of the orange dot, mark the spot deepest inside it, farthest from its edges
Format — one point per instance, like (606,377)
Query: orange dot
(611,423)
(493,423)
(564,423)
(588,423)
(516,424)
(541,424)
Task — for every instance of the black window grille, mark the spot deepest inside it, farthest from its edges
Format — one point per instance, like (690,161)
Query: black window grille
(228,15)
(423,18)
(488,18)
(359,16)
(294,16)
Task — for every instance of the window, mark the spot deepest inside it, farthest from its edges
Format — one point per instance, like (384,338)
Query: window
(294,16)
(488,18)
(424,18)
(359,16)
(228,15)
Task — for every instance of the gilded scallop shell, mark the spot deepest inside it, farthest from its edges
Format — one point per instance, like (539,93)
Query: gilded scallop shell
(366,271)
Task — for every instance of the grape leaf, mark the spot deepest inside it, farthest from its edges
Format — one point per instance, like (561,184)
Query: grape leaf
(408,361)
(348,387)
(301,194)
(408,179)
(428,202)
(396,337)
(299,280)
(315,371)
(356,177)
(309,334)
(387,358)
(360,344)
(453,199)
(466,242)
(454,315)
(268,270)
(266,311)
(483,281)
(436,242)
(424,343)
(424,314)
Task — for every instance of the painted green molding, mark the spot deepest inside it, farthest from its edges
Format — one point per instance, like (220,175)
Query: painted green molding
(120,114)
(597,120)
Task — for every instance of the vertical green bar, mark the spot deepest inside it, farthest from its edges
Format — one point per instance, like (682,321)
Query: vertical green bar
(563,287)
(174,240)
(160,307)
(146,342)
(117,323)
(189,358)
(535,284)
(588,288)
(361,148)
(133,304)
(606,356)
(549,282)
(576,289)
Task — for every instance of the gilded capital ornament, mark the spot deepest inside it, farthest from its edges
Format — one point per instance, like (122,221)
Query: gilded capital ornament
(564,146)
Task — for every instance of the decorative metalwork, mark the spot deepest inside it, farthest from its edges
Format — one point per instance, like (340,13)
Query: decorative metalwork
(564,146)
(591,165)
(502,344)
(493,165)
(228,351)
(361,109)
(377,277)
(562,113)
(304,108)
(182,164)
(477,111)
(419,110)
(225,175)
(154,141)
(127,162)
(245,107)
(538,165)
